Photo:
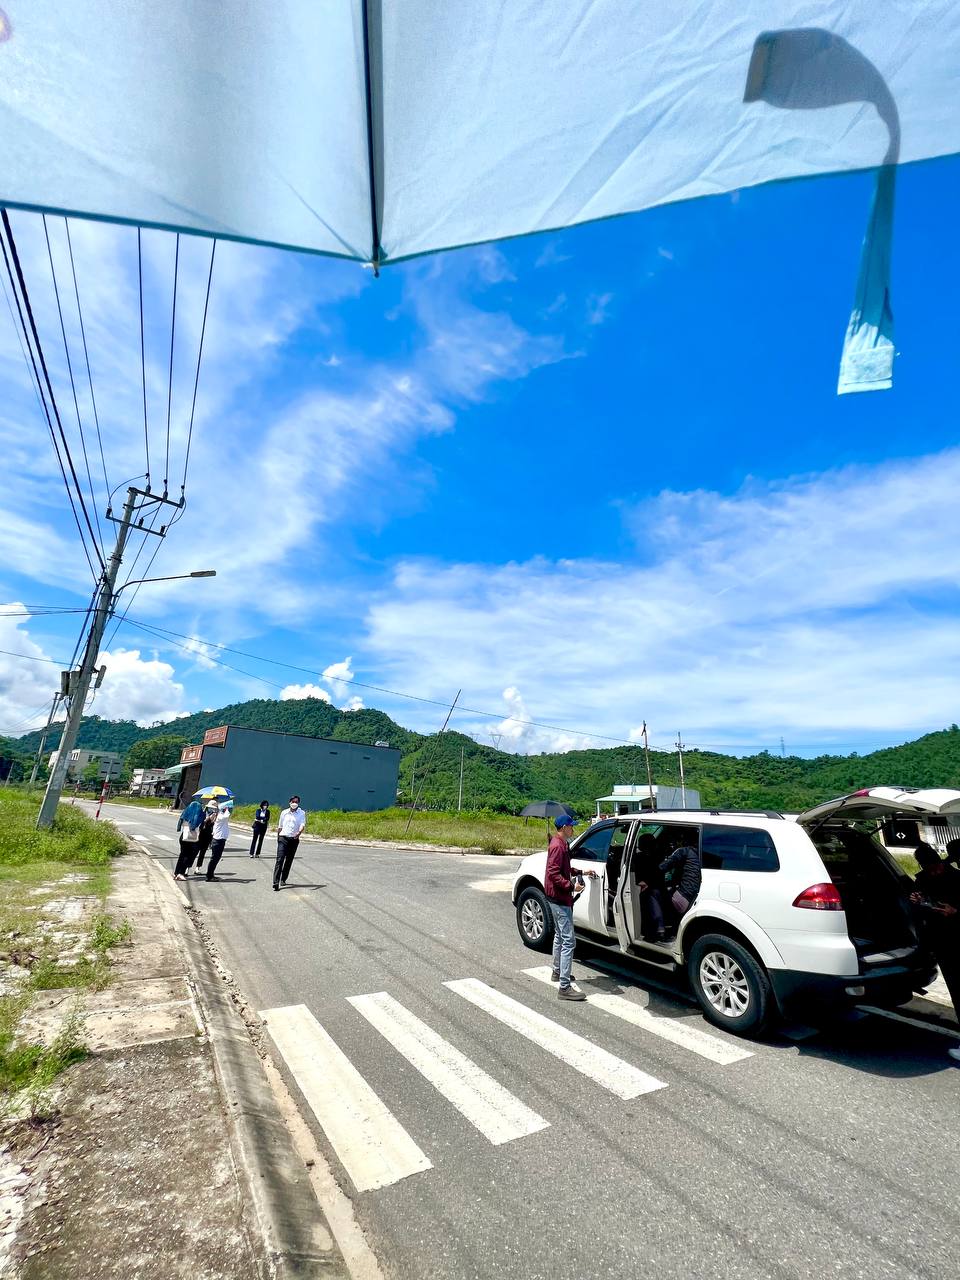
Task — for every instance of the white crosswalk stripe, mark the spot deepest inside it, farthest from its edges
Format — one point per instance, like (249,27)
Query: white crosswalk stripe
(606,1070)
(156,835)
(370,1142)
(676,1031)
(488,1106)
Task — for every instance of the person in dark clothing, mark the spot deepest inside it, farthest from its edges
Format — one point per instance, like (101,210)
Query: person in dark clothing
(189,825)
(206,831)
(560,888)
(937,897)
(261,820)
(682,879)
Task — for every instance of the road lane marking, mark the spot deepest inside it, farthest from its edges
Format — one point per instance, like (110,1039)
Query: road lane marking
(370,1142)
(488,1106)
(676,1031)
(156,835)
(917,1023)
(597,1064)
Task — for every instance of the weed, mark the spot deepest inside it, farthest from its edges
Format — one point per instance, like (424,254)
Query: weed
(105,934)
(27,1072)
(74,837)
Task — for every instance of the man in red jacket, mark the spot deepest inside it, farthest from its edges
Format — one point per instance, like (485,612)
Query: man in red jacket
(558,885)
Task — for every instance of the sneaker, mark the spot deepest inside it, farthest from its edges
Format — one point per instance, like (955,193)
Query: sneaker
(179,877)
(554,975)
(954,1053)
(571,993)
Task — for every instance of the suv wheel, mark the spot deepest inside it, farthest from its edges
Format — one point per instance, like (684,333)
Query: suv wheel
(535,919)
(732,986)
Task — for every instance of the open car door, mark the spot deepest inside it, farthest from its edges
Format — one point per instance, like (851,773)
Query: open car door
(883,803)
(623,899)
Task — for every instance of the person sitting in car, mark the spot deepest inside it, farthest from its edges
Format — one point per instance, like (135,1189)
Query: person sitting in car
(682,878)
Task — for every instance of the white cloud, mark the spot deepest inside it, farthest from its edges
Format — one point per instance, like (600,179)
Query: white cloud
(136,688)
(304,691)
(26,683)
(818,608)
(353,704)
(598,305)
(337,676)
(550,255)
(665,253)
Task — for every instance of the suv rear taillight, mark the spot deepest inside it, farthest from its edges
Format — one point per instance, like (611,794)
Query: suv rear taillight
(819,897)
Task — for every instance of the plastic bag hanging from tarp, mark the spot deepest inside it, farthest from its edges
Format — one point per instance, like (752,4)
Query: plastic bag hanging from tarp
(868,350)
(809,69)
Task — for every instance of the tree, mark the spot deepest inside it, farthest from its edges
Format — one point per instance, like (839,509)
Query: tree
(156,753)
(92,775)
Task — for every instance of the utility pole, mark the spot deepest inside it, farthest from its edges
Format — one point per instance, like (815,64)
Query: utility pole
(460,793)
(79,681)
(43,737)
(683,789)
(646,752)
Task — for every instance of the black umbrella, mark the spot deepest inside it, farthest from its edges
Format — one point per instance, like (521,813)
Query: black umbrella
(546,809)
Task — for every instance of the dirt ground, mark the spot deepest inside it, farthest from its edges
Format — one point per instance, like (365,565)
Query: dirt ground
(135,1173)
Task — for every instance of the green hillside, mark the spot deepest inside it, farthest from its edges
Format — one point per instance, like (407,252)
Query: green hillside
(497,780)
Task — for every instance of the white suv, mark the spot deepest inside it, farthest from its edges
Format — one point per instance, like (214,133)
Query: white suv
(793,913)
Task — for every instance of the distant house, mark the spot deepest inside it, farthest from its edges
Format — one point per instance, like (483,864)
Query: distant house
(148,782)
(110,762)
(635,797)
(258,764)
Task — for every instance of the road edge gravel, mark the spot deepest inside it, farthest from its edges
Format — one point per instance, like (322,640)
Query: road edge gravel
(291,1228)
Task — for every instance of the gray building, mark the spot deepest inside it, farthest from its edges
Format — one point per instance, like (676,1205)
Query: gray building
(257,764)
(634,797)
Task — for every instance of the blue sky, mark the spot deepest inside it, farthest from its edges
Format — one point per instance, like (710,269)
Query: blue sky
(591,477)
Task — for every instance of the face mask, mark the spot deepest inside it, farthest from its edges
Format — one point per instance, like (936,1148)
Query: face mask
(294,805)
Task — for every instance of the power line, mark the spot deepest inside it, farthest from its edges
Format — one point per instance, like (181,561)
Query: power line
(196,380)
(164,633)
(173,328)
(73,385)
(86,356)
(53,403)
(30,657)
(143,359)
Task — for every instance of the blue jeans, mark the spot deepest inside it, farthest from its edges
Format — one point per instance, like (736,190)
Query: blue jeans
(562,941)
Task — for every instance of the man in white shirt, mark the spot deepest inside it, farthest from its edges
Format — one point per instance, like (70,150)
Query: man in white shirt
(221,831)
(290,825)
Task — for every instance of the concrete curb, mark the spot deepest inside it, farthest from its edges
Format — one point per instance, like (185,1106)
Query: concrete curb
(289,1226)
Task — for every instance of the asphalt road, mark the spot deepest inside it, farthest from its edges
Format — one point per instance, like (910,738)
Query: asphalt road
(835,1154)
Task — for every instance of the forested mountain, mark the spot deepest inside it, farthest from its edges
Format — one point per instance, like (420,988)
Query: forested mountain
(430,765)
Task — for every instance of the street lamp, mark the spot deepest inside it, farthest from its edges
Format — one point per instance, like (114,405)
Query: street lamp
(173,577)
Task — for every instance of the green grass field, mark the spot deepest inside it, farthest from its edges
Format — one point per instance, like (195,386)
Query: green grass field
(490,832)
(74,837)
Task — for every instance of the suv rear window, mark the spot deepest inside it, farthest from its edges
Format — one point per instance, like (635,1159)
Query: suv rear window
(738,849)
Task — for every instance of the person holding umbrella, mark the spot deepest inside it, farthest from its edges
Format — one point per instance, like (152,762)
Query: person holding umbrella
(221,833)
(206,831)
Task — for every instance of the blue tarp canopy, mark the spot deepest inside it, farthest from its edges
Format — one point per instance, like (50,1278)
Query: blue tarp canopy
(383,129)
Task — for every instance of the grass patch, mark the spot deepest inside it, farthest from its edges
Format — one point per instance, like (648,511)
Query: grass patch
(139,802)
(491,832)
(74,837)
(27,1072)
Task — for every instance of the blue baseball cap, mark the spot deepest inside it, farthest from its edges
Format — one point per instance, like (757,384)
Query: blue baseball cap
(565,820)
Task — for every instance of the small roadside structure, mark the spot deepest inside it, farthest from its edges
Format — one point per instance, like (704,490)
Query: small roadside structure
(635,797)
